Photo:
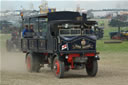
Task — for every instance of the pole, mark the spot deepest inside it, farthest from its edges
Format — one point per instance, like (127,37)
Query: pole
(22,23)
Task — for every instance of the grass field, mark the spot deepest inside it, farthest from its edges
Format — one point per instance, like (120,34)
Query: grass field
(120,47)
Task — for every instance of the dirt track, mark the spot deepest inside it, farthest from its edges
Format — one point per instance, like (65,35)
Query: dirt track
(111,72)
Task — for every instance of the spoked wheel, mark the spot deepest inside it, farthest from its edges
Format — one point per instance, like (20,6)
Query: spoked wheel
(32,62)
(92,67)
(58,68)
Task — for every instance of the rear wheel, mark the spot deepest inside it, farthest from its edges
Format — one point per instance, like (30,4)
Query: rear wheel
(92,67)
(58,68)
(32,62)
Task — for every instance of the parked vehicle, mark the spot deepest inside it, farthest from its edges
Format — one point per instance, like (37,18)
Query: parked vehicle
(119,35)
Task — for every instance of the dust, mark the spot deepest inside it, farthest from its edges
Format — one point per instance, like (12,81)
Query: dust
(12,61)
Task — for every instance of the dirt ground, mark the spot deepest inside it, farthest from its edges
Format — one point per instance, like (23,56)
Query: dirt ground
(112,71)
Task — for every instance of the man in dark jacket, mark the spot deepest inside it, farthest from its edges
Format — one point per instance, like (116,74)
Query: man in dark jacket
(25,30)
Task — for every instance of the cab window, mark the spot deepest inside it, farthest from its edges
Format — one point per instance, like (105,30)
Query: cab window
(34,22)
(42,26)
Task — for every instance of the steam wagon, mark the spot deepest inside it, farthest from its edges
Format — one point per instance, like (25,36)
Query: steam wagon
(63,40)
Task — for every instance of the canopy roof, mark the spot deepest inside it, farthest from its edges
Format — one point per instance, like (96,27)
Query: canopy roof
(60,15)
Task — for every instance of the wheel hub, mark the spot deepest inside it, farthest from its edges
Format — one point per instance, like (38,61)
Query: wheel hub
(57,67)
(28,62)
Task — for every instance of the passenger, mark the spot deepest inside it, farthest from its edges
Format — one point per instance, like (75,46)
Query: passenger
(25,30)
(29,31)
(31,28)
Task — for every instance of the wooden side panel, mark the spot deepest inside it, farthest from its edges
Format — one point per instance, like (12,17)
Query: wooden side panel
(24,44)
(42,44)
(33,44)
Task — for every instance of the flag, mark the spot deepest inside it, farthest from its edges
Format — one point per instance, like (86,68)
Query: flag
(64,46)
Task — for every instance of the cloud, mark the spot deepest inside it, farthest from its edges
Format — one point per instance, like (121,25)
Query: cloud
(64,0)
(63,4)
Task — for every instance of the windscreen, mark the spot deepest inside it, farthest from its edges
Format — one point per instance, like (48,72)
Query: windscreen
(70,32)
(69,29)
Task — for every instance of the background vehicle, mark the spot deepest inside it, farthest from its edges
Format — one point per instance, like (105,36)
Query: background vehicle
(64,40)
(119,36)
(14,43)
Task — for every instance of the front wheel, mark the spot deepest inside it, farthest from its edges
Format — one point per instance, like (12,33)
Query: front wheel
(92,67)
(58,68)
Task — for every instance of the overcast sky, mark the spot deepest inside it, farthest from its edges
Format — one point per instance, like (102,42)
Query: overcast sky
(63,4)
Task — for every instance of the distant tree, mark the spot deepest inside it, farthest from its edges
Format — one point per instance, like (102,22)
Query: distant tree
(119,21)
